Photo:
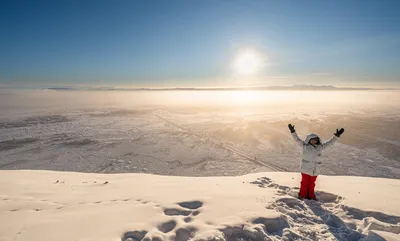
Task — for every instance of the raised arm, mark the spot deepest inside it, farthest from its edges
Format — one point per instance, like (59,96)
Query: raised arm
(295,136)
(329,143)
(332,140)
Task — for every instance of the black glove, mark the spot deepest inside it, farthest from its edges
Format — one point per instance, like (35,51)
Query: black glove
(339,132)
(291,128)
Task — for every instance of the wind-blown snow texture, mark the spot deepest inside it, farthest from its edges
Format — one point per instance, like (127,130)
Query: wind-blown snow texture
(197,133)
(42,206)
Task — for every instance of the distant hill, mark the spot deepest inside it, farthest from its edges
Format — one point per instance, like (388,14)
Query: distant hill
(293,87)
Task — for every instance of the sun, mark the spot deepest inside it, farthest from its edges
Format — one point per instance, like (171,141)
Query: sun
(248,62)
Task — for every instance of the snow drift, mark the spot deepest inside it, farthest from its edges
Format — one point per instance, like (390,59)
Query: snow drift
(46,205)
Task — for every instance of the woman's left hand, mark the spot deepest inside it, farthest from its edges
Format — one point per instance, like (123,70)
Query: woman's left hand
(339,132)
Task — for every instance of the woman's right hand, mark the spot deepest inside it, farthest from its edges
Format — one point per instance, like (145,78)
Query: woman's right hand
(291,128)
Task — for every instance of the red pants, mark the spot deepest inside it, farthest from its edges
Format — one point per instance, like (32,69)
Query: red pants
(307,186)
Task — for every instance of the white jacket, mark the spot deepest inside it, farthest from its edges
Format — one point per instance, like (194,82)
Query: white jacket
(310,163)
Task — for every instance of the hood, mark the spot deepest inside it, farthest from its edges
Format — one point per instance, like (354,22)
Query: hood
(312,135)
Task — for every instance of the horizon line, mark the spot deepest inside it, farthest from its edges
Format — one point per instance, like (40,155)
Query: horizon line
(277,87)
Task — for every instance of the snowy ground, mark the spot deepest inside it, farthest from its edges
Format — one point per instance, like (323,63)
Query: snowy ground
(44,205)
(196,133)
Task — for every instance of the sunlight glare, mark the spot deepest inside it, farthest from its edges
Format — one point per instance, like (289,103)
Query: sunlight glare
(248,62)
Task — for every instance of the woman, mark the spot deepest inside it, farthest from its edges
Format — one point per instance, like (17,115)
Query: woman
(312,149)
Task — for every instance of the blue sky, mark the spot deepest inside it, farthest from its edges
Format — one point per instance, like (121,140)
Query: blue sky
(192,43)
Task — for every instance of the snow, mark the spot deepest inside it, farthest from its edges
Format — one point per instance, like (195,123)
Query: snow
(199,165)
(48,205)
(196,133)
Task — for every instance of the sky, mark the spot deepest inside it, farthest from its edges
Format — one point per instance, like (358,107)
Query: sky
(195,43)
